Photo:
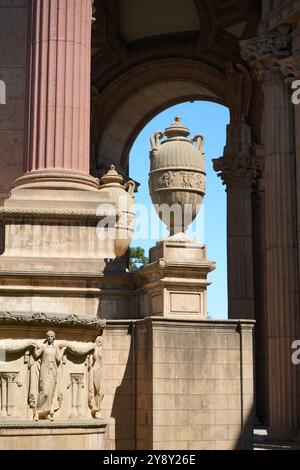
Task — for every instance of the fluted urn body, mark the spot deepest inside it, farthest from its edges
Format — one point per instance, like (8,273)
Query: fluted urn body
(177,179)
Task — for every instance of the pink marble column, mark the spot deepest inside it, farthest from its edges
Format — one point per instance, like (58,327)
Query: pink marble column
(58,94)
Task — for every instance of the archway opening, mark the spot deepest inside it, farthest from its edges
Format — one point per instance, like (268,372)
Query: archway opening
(210,226)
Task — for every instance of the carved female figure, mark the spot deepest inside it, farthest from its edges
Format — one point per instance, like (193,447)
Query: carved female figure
(50,357)
(95,379)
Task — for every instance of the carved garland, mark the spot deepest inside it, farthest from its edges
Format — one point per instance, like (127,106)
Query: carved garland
(52,319)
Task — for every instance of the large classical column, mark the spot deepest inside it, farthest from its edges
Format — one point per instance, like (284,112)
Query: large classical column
(237,172)
(290,67)
(282,277)
(57,123)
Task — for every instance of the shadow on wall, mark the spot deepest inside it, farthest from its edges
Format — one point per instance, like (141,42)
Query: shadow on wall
(123,409)
(244,439)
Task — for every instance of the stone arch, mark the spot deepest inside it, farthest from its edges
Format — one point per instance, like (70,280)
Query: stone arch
(125,106)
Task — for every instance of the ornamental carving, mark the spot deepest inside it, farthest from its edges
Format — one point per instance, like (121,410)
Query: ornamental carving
(180,180)
(239,170)
(51,383)
(276,44)
(238,91)
(265,51)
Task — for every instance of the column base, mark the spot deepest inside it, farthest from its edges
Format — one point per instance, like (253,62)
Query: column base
(283,436)
(57,179)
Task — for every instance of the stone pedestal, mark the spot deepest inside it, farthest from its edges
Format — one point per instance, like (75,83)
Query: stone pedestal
(174,284)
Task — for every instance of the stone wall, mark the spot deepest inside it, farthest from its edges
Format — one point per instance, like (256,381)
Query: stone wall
(12,72)
(118,382)
(175,384)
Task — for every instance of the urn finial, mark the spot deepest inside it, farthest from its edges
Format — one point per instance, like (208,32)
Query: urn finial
(177,129)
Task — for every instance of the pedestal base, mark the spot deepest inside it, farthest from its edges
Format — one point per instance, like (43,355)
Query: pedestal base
(176,279)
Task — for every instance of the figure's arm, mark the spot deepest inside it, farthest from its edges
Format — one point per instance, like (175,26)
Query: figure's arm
(15,345)
(60,350)
(37,351)
(77,347)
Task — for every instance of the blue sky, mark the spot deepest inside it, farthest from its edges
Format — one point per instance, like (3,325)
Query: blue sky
(209,119)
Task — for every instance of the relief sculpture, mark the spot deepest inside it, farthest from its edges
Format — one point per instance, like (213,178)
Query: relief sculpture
(46,387)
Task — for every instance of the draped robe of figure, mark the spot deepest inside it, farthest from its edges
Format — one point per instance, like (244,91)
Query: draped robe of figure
(47,370)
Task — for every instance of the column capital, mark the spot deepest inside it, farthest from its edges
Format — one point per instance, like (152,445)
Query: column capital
(236,170)
(290,66)
(265,51)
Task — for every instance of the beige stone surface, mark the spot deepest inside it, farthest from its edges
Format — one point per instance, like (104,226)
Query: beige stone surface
(197,400)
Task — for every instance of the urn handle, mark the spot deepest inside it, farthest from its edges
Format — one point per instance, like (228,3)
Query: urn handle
(130,187)
(155,140)
(199,139)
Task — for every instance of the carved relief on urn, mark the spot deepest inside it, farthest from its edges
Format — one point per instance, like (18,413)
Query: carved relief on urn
(177,175)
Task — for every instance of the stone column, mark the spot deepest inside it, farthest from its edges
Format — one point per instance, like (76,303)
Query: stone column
(259,261)
(290,67)
(57,118)
(237,171)
(282,278)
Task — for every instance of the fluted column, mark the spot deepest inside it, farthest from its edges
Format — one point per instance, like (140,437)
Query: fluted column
(58,94)
(282,276)
(290,67)
(237,172)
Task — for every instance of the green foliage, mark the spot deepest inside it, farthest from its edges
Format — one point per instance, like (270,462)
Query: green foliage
(137,258)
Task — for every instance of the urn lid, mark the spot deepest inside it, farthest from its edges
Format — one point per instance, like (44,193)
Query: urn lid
(112,176)
(177,129)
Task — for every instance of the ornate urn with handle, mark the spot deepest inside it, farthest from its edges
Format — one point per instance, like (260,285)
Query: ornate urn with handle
(177,179)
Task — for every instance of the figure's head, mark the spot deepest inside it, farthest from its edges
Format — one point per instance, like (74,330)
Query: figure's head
(98,341)
(50,337)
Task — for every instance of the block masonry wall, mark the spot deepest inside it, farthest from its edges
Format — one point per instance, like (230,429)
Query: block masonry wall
(174,384)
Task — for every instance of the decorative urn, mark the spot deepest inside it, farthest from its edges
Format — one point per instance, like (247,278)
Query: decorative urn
(177,179)
(122,196)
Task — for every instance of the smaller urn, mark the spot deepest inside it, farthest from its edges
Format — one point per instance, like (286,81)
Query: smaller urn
(177,179)
(122,195)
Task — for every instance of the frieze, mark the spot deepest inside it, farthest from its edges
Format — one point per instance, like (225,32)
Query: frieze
(180,180)
(40,318)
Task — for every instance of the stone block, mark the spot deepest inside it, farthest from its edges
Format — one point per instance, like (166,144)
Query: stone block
(229,356)
(172,386)
(164,371)
(202,417)
(188,402)
(229,387)
(226,445)
(201,386)
(170,417)
(202,445)
(234,402)
(228,416)
(165,402)
(214,402)
(215,433)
